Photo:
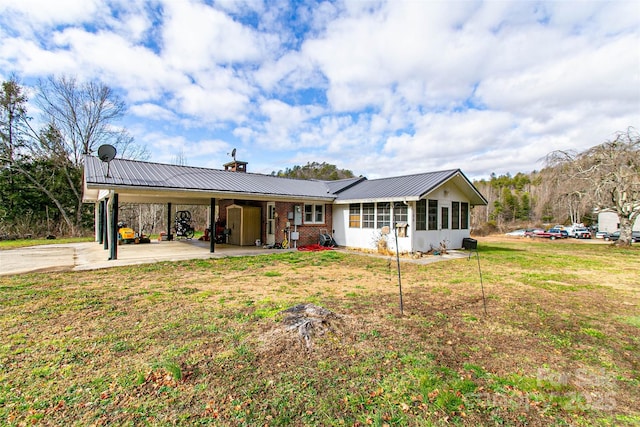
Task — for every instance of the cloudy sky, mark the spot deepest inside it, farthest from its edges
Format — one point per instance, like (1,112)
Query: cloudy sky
(380,88)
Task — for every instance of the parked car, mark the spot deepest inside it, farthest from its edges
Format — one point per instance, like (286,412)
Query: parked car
(518,233)
(635,236)
(581,233)
(551,234)
(563,233)
(601,234)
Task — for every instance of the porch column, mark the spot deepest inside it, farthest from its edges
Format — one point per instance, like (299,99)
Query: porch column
(212,222)
(168,221)
(105,224)
(99,223)
(114,228)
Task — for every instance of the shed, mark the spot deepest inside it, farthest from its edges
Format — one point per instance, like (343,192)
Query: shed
(244,224)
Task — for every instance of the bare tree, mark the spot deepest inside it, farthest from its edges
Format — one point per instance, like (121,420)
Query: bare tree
(607,176)
(85,114)
(77,119)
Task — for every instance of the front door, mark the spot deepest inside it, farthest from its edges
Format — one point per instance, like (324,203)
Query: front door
(271,223)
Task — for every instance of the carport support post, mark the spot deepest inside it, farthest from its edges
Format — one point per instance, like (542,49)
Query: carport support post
(168,221)
(105,224)
(114,228)
(100,218)
(212,226)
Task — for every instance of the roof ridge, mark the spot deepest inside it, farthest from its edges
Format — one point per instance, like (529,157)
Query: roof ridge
(418,174)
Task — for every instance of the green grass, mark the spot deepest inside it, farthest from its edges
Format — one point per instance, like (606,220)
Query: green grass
(202,342)
(21,243)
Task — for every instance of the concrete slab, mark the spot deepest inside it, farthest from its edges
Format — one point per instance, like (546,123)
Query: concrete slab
(92,255)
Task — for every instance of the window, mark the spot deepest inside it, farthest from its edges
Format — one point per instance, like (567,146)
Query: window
(368,215)
(400,213)
(384,214)
(421,215)
(314,214)
(455,215)
(464,215)
(433,214)
(444,217)
(354,215)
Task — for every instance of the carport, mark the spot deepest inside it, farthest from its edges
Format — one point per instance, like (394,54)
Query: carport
(108,184)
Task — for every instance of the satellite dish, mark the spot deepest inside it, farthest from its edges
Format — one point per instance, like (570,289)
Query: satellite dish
(233,153)
(106,153)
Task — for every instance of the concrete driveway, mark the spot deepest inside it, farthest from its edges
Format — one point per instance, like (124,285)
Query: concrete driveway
(91,255)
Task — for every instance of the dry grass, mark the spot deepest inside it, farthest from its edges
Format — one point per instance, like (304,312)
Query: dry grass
(201,342)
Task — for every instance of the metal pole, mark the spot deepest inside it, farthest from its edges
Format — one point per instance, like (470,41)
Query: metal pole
(105,223)
(212,222)
(484,301)
(399,276)
(114,228)
(168,221)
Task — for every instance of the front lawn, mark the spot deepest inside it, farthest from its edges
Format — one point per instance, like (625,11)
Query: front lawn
(203,342)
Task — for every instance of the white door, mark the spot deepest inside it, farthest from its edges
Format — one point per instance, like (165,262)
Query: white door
(271,223)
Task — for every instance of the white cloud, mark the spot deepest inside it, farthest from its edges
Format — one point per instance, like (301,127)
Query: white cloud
(379,87)
(35,13)
(152,112)
(195,36)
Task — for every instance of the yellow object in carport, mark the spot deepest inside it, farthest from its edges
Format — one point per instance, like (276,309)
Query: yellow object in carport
(126,234)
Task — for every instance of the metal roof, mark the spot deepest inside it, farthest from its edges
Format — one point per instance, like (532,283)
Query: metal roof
(342,184)
(156,176)
(399,187)
(136,176)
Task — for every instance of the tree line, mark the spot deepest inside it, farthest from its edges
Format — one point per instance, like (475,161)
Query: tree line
(572,188)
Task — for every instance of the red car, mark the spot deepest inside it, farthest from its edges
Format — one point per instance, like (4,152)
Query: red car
(539,232)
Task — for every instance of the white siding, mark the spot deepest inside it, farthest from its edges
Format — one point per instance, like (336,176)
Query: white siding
(366,238)
(609,222)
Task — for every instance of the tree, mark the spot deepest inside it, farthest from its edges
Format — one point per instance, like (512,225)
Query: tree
(77,118)
(608,176)
(81,118)
(315,170)
(12,134)
(85,115)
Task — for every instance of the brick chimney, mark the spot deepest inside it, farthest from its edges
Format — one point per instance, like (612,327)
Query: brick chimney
(236,166)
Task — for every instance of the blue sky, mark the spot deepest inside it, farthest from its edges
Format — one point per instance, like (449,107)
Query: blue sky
(380,88)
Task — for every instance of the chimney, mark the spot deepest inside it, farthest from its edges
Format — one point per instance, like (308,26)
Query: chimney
(236,166)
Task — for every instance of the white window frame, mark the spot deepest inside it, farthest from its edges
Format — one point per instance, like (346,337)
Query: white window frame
(314,212)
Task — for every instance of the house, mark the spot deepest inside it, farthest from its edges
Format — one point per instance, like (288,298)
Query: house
(609,221)
(424,210)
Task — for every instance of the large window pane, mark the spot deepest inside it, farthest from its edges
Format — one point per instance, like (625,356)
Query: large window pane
(433,214)
(455,215)
(319,214)
(421,215)
(444,218)
(354,215)
(384,214)
(400,213)
(368,215)
(464,215)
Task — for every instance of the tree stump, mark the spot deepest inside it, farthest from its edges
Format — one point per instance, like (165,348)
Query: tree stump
(309,321)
